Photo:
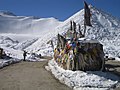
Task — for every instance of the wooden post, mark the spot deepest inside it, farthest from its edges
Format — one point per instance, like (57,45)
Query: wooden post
(84,29)
(1,52)
(51,42)
(80,33)
(71,25)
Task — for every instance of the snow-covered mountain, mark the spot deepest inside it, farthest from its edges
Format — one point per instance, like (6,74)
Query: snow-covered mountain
(10,23)
(6,13)
(106,29)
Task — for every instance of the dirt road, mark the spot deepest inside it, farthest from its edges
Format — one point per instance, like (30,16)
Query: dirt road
(28,76)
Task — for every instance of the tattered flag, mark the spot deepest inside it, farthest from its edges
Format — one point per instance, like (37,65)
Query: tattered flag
(71,25)
(74,26)
(87,15)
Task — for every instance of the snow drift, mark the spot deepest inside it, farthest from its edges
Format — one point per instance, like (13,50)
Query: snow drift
(79,80)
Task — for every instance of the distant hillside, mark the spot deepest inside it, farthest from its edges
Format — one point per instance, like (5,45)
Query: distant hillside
(10,23)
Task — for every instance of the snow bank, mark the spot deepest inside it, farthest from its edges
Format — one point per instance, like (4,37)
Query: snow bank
(117,59)
(6,62)
(34,58)
(83,80)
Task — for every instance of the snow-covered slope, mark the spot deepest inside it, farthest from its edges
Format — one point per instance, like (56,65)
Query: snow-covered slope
(9,23)
(106,29)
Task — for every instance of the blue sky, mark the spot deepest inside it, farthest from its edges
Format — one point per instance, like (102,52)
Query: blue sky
(60,9)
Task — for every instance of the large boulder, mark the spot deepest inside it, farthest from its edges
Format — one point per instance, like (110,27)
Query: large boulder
(90,56)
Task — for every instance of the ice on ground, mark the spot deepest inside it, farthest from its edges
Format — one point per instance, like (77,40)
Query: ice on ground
(34,57)
(85,80)
(117,59)
(6,62)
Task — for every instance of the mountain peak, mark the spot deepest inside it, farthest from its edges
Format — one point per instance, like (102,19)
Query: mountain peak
(106,28)
(7,13)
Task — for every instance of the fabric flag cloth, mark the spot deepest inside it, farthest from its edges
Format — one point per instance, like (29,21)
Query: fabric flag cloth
(87,15)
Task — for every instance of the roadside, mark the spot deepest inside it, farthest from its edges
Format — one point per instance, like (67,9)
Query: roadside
(114,67)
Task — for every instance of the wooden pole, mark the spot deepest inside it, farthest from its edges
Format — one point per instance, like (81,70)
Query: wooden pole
(84,29)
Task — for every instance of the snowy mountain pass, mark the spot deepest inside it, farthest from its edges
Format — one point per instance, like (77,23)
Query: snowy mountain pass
(106,29)
(33,34)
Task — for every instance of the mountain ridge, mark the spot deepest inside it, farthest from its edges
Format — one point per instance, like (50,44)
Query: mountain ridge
(105,28)
(3,12)
(25,24)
